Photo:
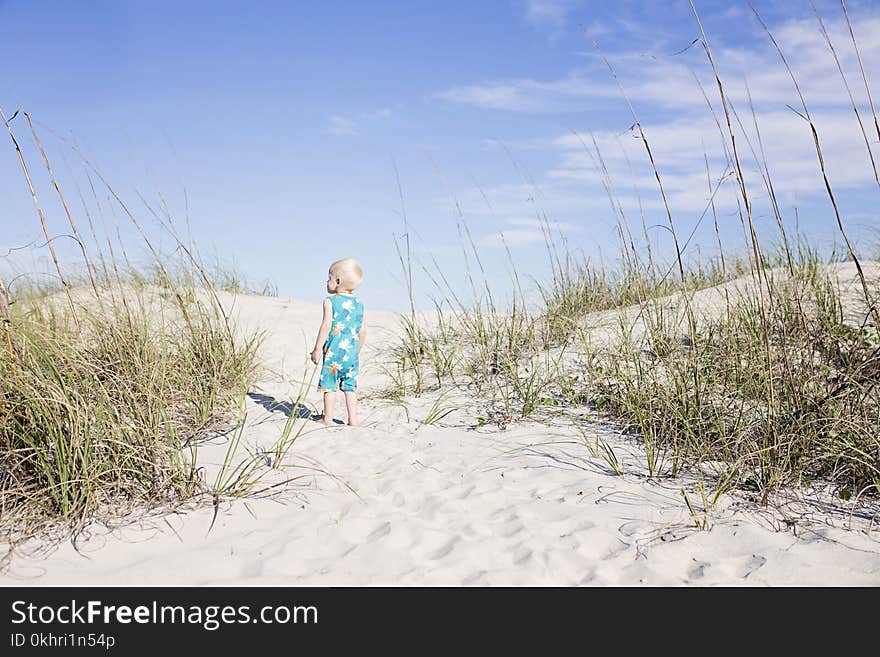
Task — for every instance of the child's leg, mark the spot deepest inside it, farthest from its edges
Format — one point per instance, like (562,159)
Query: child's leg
(351,405)
(328,409)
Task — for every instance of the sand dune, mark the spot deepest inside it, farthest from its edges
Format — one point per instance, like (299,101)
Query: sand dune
(399,502)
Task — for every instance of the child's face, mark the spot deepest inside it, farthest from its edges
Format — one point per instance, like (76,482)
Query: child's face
(332,281)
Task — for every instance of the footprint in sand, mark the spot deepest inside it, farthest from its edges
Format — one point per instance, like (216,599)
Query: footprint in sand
(616,548)
(473,578)
(466,493)
(511,528)
(444,550)
(750,565)
(469,531)
(429,508)
(380,532)
(398,500)
(498,512)
(697,570)
(521,555)
(588,578)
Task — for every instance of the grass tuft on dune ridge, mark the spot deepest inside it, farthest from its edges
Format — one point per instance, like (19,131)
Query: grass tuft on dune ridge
(112,374)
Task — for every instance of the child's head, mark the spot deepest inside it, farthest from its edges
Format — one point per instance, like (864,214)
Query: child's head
(344,276)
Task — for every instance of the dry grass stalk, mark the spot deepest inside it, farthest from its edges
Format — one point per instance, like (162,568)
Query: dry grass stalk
(40,213)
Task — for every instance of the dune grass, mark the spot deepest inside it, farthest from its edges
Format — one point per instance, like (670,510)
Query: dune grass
(109,408)
(696,384)
(806,411)
(111,376)
(775,382)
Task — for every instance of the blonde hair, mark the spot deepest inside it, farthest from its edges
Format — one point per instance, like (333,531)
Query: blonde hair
(349,273)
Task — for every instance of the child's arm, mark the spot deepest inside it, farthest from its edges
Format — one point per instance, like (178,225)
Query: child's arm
(323,332)
(362,334)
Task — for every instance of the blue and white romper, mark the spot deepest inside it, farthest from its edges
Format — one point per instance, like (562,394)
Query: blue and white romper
(340,368)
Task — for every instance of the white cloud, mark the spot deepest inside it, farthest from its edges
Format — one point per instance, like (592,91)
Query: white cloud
(528,95)
(376,115)
(669,82)
(501,96)
(680,144)
(341,126)
(548,11)
(681,132)
(679,148)
(524,232)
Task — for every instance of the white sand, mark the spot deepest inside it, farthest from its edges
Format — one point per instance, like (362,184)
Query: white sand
(398,502)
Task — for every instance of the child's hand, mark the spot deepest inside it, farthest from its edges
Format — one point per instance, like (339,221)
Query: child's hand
(316,356)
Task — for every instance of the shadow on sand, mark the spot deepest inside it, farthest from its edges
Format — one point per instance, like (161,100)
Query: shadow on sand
(295,409)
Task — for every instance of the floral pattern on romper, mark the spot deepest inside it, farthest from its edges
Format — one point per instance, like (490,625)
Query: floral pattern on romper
(341,363)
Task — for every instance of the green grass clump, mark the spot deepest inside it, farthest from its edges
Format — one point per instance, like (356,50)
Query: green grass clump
(105,412)
(499,357)
(784,397)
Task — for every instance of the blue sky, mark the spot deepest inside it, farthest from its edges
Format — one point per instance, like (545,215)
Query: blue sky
(287,125)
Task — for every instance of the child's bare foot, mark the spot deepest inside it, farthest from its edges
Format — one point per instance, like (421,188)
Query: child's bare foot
(327,422)
(354,423)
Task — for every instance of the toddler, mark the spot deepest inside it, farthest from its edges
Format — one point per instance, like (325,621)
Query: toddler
(341,338)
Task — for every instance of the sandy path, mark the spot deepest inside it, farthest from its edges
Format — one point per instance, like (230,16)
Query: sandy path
(398,502)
